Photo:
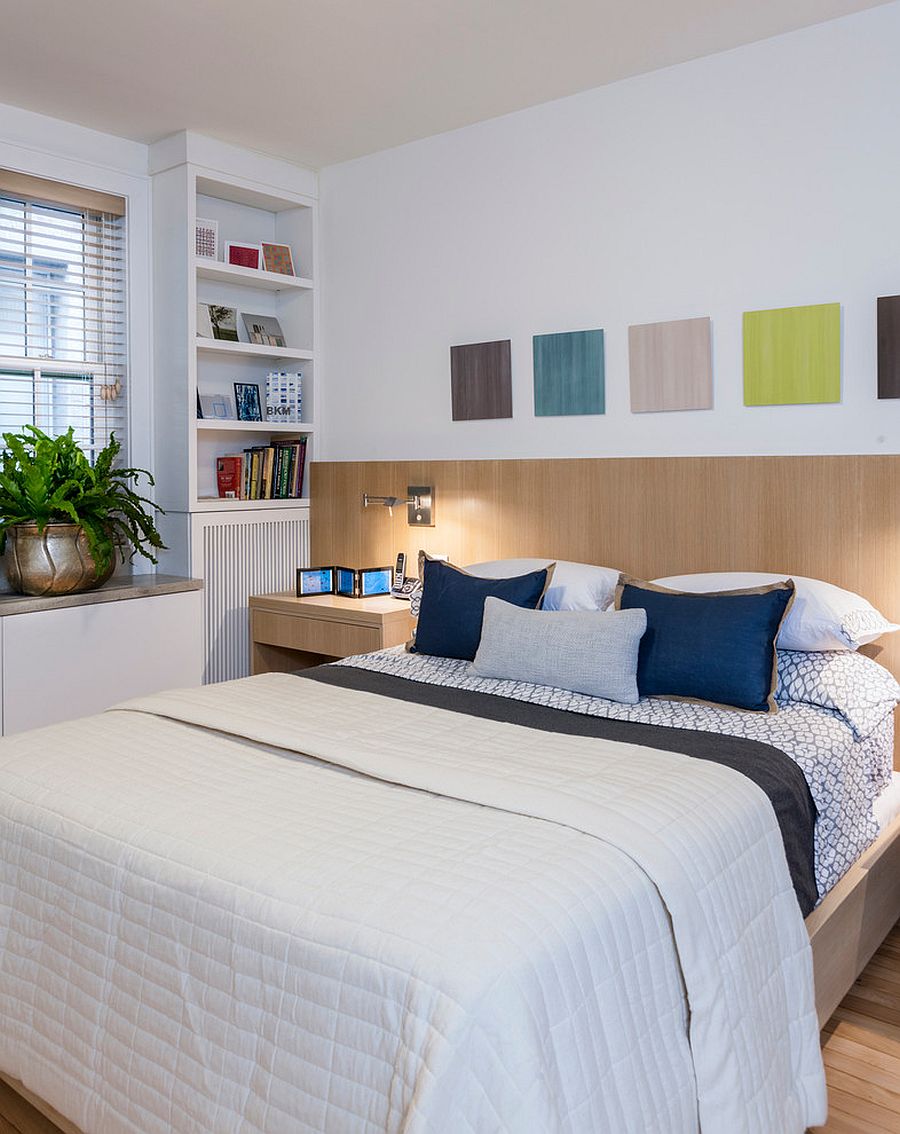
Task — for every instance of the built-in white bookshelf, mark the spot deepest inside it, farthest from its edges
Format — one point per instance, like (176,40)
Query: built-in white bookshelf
(249,213)
(253,200)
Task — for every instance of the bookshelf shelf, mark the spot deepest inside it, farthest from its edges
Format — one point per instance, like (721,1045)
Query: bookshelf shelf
(252,350)
(249,277)
(221,504)
(217,425)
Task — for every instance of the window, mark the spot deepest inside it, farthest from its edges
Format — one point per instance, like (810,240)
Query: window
(63,347)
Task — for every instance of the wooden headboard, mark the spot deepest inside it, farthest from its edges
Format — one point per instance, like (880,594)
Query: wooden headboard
(832,518)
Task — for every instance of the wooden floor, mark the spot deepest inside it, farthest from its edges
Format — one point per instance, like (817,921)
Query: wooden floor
(861,1043)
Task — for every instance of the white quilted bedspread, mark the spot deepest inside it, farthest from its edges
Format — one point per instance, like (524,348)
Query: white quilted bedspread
(204,933)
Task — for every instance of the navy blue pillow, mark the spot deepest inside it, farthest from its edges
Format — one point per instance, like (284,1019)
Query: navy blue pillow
(709,647)
(452,606)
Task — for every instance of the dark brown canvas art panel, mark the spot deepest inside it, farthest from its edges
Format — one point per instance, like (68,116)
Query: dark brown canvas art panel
(481,381)
(889,346)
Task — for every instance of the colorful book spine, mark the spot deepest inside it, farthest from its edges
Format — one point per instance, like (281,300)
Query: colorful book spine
(229,477)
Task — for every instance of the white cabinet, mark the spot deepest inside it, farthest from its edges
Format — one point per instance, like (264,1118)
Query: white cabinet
(70,661)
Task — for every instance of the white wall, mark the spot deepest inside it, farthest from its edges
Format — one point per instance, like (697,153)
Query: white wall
(763,177)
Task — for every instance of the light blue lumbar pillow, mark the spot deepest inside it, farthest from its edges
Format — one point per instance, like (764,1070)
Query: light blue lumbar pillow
(585,651)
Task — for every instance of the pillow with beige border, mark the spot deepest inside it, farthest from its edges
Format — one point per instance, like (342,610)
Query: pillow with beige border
(822,617)
(716,648)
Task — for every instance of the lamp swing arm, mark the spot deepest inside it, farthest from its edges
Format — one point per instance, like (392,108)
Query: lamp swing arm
(419,501)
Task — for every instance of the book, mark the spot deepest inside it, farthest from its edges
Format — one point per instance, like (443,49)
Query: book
(255,474)
(301,465)
(229,477)
(268,463)
(282,463)
(284,396)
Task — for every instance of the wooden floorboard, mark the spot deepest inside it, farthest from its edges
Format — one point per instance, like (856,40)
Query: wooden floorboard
(860,1043)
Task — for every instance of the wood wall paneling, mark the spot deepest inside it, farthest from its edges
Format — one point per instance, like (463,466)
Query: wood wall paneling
(481,381)
(889,346)
(670,366)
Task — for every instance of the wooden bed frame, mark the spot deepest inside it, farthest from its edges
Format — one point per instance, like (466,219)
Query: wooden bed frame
(832,518)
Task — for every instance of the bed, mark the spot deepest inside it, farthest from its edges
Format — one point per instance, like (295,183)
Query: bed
(511,945)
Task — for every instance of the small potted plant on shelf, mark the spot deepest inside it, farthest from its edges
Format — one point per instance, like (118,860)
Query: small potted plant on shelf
(62,519)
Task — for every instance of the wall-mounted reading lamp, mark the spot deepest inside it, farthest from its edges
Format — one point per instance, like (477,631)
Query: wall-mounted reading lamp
(419,501)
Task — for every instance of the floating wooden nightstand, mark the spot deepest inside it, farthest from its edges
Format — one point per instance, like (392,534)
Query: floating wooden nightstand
(289,633)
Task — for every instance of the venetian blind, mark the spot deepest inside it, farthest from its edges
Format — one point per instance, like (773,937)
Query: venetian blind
(63,341)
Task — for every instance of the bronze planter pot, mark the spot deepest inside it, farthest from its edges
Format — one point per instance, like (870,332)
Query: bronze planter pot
(56,561)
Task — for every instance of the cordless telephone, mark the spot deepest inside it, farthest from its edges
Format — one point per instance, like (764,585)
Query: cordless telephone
(402,587)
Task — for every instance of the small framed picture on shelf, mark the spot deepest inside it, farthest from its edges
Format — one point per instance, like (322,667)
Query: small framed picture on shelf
(264,329)
(315,581)
(243,255)
(206,239)
(373,581)
(215,407)
(278,258)
(246,398)
(222,321)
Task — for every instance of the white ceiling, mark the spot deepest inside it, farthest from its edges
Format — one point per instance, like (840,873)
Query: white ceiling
(321,81)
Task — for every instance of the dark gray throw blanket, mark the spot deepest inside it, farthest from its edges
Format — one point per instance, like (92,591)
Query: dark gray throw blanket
(769,768)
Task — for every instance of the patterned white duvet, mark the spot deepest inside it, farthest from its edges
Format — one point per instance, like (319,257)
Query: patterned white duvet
(537,933)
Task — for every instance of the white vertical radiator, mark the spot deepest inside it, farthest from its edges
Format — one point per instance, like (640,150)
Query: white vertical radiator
(241,555)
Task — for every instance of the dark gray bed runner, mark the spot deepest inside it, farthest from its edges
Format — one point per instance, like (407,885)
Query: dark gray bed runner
(769,768)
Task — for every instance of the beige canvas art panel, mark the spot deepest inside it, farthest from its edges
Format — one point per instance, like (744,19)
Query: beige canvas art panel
(670,366)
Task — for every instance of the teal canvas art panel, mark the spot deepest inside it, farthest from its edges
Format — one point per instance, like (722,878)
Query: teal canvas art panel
(569,375)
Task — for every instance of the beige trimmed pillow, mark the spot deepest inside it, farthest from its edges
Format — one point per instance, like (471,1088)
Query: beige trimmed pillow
(715,648)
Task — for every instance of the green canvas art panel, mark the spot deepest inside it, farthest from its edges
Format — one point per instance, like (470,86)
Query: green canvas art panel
(569,374)
(792,355)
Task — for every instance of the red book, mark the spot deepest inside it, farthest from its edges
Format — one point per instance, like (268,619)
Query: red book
(229,476)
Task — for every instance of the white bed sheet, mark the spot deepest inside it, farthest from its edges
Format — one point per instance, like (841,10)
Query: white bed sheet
(845,775)
(887,805)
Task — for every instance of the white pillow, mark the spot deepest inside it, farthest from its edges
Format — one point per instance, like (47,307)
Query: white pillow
(574,586)
(586,651)
(822,616)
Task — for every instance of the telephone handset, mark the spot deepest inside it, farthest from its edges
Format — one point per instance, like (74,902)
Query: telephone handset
(402,587)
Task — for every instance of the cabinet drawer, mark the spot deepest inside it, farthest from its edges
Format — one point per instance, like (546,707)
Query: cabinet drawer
(336,639)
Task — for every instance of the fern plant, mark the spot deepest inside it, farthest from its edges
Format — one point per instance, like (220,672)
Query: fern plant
(49,480)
